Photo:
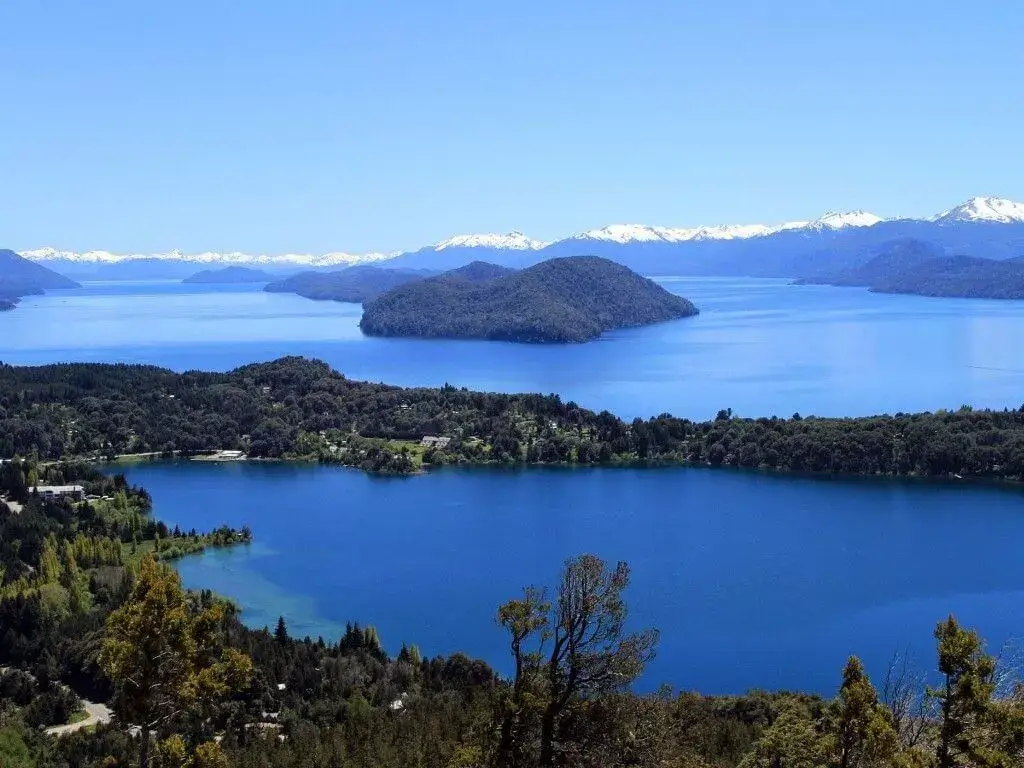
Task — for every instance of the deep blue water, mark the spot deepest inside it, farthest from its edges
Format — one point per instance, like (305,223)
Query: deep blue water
(754,580)
(761,347)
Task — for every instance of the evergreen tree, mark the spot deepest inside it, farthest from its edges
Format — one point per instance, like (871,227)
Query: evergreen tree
(281,631)
(965,700)
(860,730)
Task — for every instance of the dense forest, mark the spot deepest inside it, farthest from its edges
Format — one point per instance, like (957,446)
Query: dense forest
(921,268)
(571,299)
(95,617)
(354,284)
(229,275)
(958,277)
(299,408)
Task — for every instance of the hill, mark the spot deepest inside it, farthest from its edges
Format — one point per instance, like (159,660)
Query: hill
(21,277)
(229,275)
(571,299)
(891,258)
(958,277)
(921,268)
(355,284)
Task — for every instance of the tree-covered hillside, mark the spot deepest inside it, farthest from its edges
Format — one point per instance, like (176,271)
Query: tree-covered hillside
(301,408)
(354,284)
(569,299)
(921,268)
(958,277)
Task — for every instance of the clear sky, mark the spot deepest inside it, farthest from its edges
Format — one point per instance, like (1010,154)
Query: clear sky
(312,126)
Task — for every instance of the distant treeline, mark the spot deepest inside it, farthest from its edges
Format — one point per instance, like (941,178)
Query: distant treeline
(294,407)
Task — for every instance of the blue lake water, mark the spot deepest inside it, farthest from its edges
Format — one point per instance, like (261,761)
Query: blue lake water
(761,347)
(754,580)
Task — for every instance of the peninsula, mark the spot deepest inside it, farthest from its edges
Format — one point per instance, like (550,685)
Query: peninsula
(21,277)
(923,269)
(354,284)
(229,276)
(299,408)
(569,299)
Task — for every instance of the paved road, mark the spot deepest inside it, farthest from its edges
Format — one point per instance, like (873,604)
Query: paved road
(98,713)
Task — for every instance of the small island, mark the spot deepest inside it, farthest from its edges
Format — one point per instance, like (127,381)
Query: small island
(569,299)
(229,276)
(353,284)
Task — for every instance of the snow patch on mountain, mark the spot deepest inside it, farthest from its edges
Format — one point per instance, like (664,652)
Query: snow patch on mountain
(994,209)
(639,233)
(513,241)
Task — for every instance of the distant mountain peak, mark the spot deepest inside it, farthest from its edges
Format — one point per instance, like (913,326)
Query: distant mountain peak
(839,220)
(514,240)
(994,209)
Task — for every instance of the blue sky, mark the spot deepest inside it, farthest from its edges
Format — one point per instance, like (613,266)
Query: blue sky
(316,126)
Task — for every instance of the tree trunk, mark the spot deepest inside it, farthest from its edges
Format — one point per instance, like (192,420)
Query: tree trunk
(547,738)
(506,758)
(144,749)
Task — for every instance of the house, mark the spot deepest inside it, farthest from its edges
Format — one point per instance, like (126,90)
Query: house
(435,442)
(74,492)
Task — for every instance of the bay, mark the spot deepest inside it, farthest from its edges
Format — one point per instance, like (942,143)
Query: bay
(754,580)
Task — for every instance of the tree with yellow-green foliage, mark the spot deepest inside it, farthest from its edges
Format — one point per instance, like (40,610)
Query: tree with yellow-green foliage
(792,741)
(169,663)
(860,731)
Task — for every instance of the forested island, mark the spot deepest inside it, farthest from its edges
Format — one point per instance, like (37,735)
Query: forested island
(354,284)
(570,299)
(92,619)
(229,276)
(299,408)
(921,268)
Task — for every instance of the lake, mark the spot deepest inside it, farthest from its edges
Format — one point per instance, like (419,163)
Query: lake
(760,347)
(753,579)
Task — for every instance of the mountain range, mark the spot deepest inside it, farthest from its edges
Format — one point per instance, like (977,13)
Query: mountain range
(984,227)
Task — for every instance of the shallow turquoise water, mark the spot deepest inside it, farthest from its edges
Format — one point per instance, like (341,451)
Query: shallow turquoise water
(754,580)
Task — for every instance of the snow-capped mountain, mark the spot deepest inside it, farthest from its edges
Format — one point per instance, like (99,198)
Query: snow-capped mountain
(787,249)
(513,241)
(993,209)
(210,257)
(639,233)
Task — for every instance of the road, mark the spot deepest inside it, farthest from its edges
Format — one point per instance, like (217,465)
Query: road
(98,713)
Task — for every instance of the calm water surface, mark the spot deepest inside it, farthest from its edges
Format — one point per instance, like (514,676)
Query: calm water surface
(754,580)
(761,347)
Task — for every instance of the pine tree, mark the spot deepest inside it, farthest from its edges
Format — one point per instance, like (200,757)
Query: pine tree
(860,730)
(965,700)
(281,632)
